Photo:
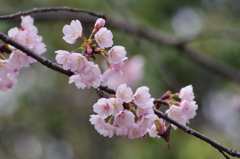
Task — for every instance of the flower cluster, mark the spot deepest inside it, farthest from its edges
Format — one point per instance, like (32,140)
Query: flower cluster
(27,36)
(185,109)
(127,114)
(87,73)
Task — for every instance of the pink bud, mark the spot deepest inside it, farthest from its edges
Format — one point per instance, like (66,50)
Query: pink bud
(89,50)
(99,23)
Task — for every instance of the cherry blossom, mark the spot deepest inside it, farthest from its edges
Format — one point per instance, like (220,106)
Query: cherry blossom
(117,54)
(124,93)
(76,62)
(72,32)
(142,96)
(97,121)
(186,93)
(108,130)
(27,24)
(189,108)
(121,131)
(88,77)
(135,131)
(124,118)
(103,107)
(117,105)
(176,113)
(111,74)
(20,59)
(104,38)
(7,82)
(5,67)
(62,58)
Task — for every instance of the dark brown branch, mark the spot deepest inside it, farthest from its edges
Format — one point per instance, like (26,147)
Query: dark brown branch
(58,68)
(190,131)
(224,154)
(51,9)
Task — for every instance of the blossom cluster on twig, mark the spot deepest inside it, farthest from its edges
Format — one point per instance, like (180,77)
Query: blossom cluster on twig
(87,73)
(12,59)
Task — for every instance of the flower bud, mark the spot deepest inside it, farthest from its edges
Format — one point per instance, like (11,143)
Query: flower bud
(99,24)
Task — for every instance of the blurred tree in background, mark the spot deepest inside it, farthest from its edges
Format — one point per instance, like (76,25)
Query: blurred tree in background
(43,117)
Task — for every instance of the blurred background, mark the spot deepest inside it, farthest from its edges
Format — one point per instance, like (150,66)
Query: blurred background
(43,117)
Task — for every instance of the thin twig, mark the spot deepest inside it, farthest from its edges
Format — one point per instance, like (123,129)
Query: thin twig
(58,68)
(50,9)
(224,154)
(190,131)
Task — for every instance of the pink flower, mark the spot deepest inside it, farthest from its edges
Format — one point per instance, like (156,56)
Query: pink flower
(91,75)
(72,32)
(88,77)
(27,24)
(142,96)
(176,113)
(108,130)
(153,131)
(7,82)
(121,131)
(5,68)
(118,67)
(186,93)
(157,128)
(117,105)
(104,38)
(144,111)
(103,107)
(77,79)
(18,35)
(124,93)
(135,131)
(27,35)
(111,74)
(76,61)
(189,108)
(124,118)
(97,121)
(147,120)
(62,58)
(20,59)
(39,48)
(117,54)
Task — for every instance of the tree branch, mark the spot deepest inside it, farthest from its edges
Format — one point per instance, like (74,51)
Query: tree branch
(190,131)
(51,9)
(160,114)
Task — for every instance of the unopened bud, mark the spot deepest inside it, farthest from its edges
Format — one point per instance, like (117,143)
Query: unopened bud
(99,24)
(89,50)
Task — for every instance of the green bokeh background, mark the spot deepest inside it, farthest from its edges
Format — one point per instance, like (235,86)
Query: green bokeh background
(43,117)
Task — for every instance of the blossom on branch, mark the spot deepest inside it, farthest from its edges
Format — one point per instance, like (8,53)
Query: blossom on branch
(27,36)
(72,32)
(185,109)
(104,38)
